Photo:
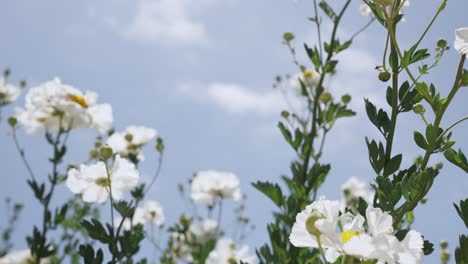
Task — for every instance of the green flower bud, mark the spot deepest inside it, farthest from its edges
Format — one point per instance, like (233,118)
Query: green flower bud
(346,98)
(325,97)
(94,154)
(310,223)
(106,152)
(22,83)
(443,244)
(285,114)
(12,121)
(288,36)
(129,137)
(159,144)
(384,76)
(442,43)
(419,109)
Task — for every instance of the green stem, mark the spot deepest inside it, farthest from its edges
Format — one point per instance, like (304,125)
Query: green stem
(319,242)
(393,120)
(114,238)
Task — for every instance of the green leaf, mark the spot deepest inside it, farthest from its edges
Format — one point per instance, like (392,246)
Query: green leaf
(420,140)
(461,253)
(272,191)
(458,159)
(462,211)
(393,165)
(428,247)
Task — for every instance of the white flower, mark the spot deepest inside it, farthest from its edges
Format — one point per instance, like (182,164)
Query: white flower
(150,213)
(309,77)
(8,92)
(461,41)
(354,189)
(131,140)
(209,185)
(227,252)
(344,234)
(54,105)
(20,257)
(204,231)
(365,10)
(93,184)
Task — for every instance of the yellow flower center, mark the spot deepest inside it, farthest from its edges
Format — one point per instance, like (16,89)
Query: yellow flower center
(308,74)
(103,182)
(78,99)
(347,235)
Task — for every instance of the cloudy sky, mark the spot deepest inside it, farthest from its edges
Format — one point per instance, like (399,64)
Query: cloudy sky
(201,72)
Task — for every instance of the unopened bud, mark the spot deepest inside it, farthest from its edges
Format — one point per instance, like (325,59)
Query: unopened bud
(106,152)
(384,76)
(128,137)
(442,43)
(12,121)
(424,200)
(94,154)
(419,109)
(443,244)
(288,36)
(325,97)
(346,98)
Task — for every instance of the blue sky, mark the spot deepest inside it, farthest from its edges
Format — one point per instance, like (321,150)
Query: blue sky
(200,72)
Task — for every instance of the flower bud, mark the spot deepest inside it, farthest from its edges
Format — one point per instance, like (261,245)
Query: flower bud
(310,223)
(443,244)
(12,121)
(346,98)
(288,36)
(128,137)
(444,257)
(325,97)
(94,154)
(6,73)
(384,76)
(442,43)
(419,109)
(106,152)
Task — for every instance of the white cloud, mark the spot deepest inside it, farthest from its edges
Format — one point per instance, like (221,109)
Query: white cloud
(167,21)
(235,99)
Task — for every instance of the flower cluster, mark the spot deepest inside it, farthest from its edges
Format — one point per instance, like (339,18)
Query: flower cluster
(54,106)
(96,182)
(209,185)
(131,140)
(323,225)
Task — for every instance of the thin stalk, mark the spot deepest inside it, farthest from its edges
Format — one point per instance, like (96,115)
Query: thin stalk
(114,238)
(22,154)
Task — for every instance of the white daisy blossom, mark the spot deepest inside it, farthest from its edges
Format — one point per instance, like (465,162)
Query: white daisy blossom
(208,185)
(131,140)
(53,105)
(365,10)
(204,231)
(150,213)
(227,252)
(8,92)
(19,257)
(93,184)
(354,189)
(344,234)
(309,77)
(461,41)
